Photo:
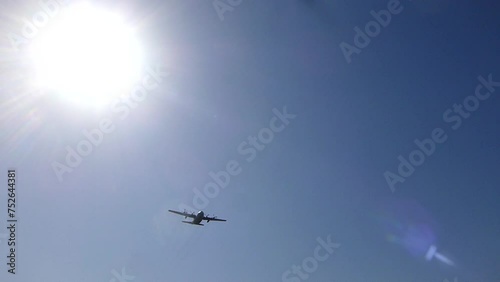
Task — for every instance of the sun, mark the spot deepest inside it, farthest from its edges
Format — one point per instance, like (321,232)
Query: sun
(87,55)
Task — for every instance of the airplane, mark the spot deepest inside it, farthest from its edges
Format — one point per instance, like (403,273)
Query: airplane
(197,218)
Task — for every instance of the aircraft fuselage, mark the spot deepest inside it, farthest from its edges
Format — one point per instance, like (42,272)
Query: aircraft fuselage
(198,218)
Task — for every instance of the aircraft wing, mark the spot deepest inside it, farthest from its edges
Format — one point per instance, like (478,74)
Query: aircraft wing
(207,218)
(191,215)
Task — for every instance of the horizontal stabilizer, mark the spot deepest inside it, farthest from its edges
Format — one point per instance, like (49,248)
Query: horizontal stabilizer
(189,222)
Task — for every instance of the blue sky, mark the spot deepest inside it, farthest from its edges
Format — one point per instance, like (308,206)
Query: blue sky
(323,175)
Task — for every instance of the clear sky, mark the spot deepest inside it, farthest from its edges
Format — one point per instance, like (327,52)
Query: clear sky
(322,174)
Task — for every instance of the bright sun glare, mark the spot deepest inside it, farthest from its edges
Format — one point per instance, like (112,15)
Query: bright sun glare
(87,55)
